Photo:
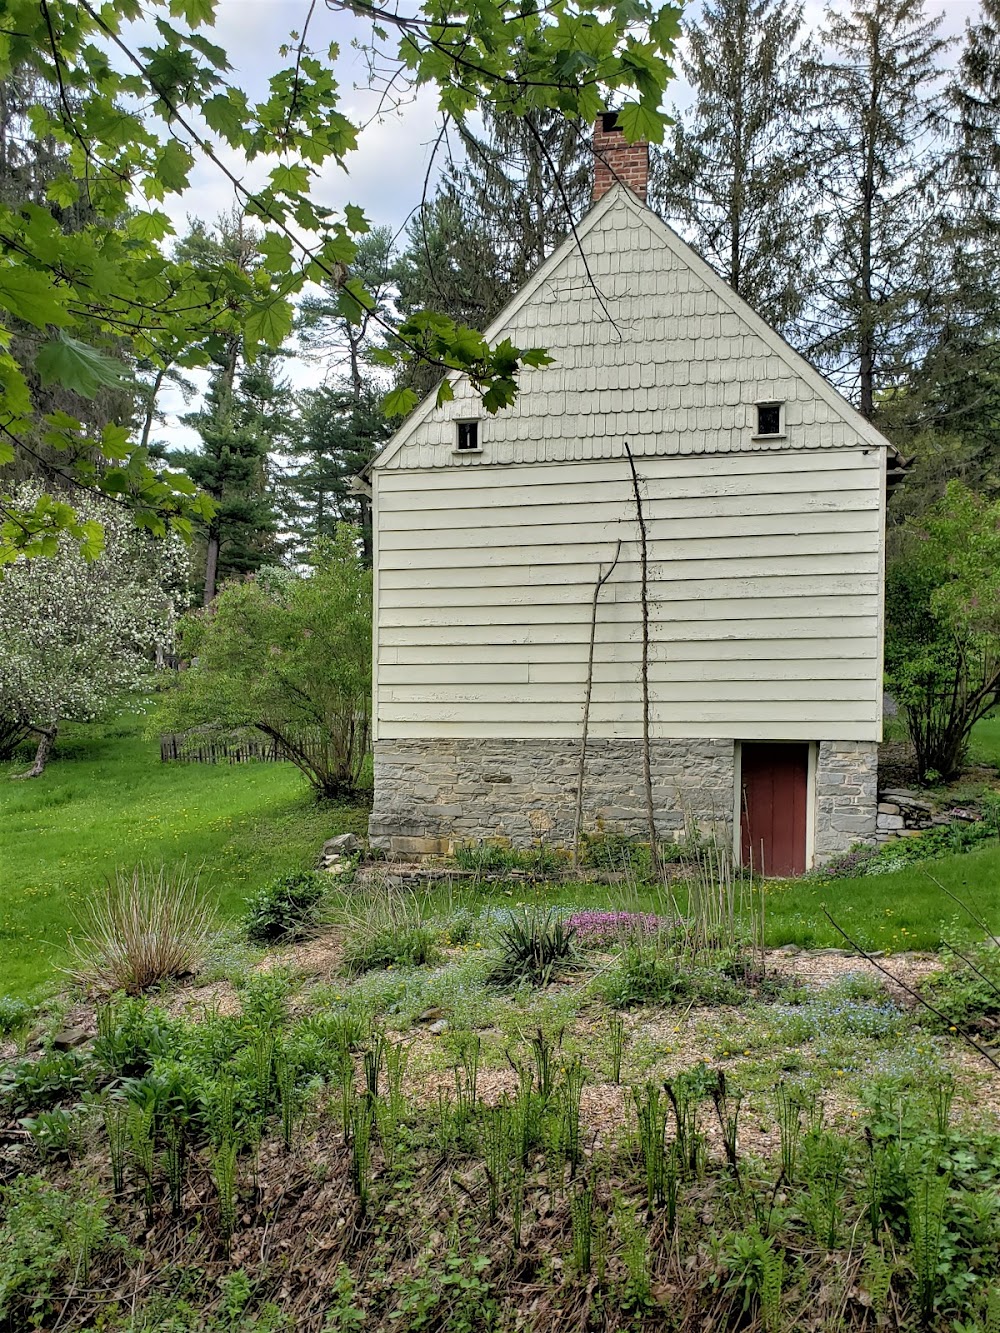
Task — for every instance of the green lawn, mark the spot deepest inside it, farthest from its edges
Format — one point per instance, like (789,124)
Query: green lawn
(107,801)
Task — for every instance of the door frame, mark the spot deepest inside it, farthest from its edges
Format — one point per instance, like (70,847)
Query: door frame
(812,758)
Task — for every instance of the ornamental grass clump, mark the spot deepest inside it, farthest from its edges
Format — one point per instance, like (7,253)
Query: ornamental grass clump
(145,928)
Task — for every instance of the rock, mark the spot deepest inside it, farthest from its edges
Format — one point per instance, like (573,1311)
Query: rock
(69,1038)
(344,843)
(887,808)
(890,821)
(788,950)
(440,1026)
(431,1014)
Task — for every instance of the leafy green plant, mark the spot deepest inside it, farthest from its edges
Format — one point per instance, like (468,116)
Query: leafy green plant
(146,928)
(40,1084)
(756,1273)
(15,1015)
(384,927)
(50,1235)
(487,858)
(286,908)
(532,946)
(54,1133)
(645,974)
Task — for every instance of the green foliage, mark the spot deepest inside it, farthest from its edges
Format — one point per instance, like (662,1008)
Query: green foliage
(290,656)
(37,1084)
(48,1233)
(15,1015)
(942,650)
(286,908)
(646,974)
(532,946)
(967,990)
(952,839)
(127,122)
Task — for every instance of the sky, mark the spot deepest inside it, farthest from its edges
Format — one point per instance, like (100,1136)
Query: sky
(388,171)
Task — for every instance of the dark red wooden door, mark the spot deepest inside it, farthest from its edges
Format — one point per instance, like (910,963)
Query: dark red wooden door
(774,778)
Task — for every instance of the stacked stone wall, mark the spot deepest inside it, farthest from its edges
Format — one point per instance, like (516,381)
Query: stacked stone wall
(846,796)
(430,795)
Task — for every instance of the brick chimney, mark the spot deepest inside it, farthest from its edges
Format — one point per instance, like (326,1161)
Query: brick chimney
(616,160)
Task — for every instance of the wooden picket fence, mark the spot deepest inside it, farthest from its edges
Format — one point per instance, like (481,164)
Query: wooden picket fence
(193,748)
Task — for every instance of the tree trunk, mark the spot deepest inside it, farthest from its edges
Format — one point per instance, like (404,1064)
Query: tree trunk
(211,564)
(46,740)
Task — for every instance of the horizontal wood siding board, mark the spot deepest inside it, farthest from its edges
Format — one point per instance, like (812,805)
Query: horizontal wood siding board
(621,693)
(490,671)
(752,655)
(627,573)
(617,492)
(488,553)
(402,482)
(618,600)
(571,715)
(806,628)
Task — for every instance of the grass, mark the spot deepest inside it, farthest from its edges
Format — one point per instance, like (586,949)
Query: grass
(107,801)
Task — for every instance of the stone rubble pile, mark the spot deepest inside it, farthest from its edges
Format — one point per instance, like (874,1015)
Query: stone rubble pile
(902,814)
(333,857)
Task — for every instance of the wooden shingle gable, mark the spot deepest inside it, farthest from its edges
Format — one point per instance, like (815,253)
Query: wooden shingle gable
(650,345)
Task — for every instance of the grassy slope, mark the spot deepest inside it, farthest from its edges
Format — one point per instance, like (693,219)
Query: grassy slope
(107,801)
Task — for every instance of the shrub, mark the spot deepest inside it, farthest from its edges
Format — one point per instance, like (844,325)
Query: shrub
(532,946)
(412,945)
(50,1235)
(15,1015)
(970,999)
(647,975)
(487,858)
(617,852)
(287,908)
(145,929)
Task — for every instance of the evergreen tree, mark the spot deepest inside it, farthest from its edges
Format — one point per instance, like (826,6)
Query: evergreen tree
(495,218)
(240,426)
(339,427)
(732,175)
(878,148)
(336,432)
(237,421)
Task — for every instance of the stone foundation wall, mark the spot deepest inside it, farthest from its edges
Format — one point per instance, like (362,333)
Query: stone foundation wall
(846,796)
(430,795)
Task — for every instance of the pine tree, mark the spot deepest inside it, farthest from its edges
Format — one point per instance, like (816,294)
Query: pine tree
(495,218)
(878,147)
(732,175)
(335,433)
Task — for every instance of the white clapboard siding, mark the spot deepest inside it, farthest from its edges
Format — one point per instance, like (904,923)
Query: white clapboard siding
(802,629)
(764,592)
(744,658)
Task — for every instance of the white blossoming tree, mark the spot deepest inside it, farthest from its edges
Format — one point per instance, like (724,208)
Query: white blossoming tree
(75,634)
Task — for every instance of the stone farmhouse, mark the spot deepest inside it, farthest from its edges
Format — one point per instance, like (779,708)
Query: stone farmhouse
(763,493)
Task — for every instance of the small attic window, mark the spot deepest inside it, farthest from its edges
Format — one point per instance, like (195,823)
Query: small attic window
(467,437)
(770,420)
